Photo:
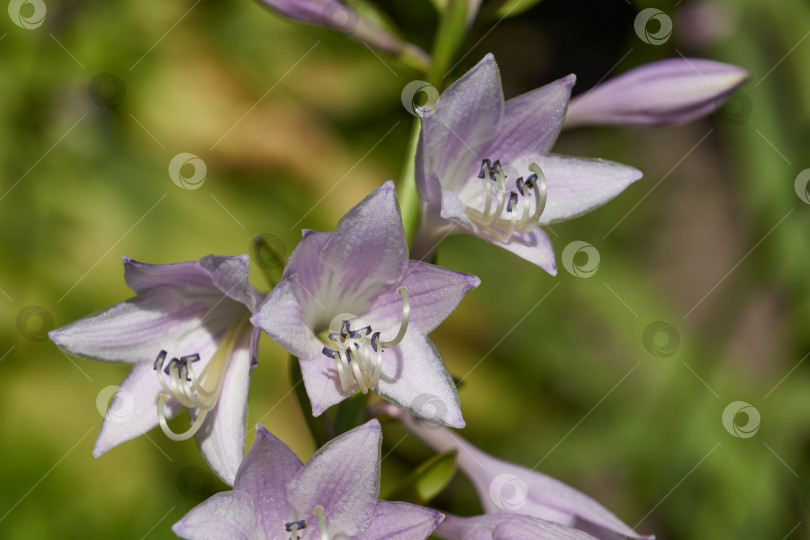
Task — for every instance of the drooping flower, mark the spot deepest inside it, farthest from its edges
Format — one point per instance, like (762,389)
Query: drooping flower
(663,93)
(188,336)
(334,495)
(340,17)
(506,488)
(356,312)
(505,527)
(483,167)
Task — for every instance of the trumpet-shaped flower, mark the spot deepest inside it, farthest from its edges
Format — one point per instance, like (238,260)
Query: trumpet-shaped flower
(483,167)
(505,488)
(356,311)
(668,92)
(187,335)
(334,495)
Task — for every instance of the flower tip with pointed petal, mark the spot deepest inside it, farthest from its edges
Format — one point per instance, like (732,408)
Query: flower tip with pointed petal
(668,92)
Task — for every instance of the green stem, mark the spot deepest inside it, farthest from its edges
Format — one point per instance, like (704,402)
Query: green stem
(449,38)
(320,429)
(408,196)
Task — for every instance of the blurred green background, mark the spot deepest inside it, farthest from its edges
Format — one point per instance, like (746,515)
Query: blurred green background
(711,242)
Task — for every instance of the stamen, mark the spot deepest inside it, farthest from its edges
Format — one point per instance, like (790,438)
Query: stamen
(521,215)
(294,527)
(192,391)
(319,513)
(358,352)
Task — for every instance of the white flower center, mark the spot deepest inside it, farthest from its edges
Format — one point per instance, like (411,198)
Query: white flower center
(513,211)
(194,392)
(293,528)
(358,352)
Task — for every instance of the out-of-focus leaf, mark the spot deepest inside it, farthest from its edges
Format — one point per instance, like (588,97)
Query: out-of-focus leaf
(451,34)
(501,9)
(269,253)
(427,481)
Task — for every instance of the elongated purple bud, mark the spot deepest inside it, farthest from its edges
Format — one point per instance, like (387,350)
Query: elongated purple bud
(664,93)
(344,19)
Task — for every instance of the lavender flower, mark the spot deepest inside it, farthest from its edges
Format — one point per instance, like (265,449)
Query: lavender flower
(333,496)
(663,93)
(505,488)
(356,312)
(482,167)
(187,335)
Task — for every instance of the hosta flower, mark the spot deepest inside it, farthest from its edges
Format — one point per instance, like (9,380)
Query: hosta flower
(505,488)
(356,311)
(188,336)
(483,167)
(673,91)
(333,496)
(505,527)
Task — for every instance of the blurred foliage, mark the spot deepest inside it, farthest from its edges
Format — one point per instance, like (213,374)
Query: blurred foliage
(296,125)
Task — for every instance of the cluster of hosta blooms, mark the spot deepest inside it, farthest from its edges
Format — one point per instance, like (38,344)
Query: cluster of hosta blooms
(355,308)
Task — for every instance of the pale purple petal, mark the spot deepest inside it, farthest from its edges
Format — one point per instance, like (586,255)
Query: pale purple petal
(505,527)
(534,246)
(578,185)
(265,473)
(221,438)
(673,91)
(464,121)
(400,521)
(230,276)
(306,11)
(434,293)
(133,409)
(225,515)
(342,477)
(367,253)
(322,381)
(282,318)
(135,331)
(415,379)
(532,121)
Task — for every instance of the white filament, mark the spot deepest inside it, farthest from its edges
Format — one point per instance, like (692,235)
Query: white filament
(192,391)
(355,358)
(499,222)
